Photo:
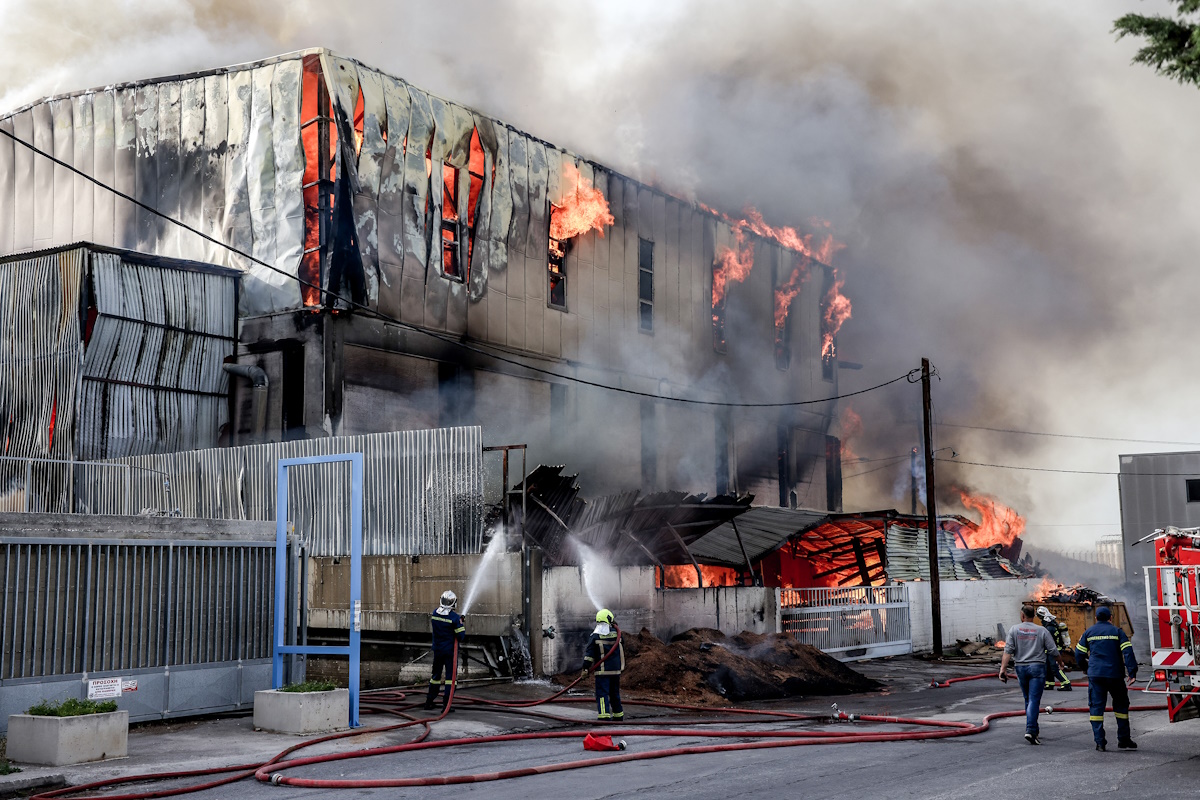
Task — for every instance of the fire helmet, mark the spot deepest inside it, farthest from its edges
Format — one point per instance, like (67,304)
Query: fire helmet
(1044,612)
(1103,614)
(605,616)
(449,599)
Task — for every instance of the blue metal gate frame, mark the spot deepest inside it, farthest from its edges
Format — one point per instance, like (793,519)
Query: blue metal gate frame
(356,515)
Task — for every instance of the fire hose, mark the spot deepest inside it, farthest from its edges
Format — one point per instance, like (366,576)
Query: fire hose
(389,702)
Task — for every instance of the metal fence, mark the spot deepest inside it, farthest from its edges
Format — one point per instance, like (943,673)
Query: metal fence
(85,606)
(849,623)
(422,490)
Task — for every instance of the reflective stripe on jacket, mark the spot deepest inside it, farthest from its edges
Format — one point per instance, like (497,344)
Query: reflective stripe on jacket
(598,644)
(1101,650)
(447,626)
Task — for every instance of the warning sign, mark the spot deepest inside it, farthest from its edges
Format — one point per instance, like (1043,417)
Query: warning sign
(104,688)
(128,686)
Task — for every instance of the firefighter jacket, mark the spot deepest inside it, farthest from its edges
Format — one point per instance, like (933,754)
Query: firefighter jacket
(447,626)
(1101,649)
(598,645)
(1059,633)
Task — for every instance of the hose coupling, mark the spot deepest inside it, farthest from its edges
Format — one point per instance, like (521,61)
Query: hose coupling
(277,779)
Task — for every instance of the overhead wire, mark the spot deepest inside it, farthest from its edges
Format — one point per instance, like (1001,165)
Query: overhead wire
(1063,435)
(450,340)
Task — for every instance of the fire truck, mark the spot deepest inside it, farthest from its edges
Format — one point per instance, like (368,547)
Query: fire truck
(1173,603)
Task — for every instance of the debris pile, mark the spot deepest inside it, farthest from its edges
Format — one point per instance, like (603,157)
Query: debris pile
(1049,592)
(706,667)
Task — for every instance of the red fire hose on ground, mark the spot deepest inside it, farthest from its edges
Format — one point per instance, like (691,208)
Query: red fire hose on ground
(396,703)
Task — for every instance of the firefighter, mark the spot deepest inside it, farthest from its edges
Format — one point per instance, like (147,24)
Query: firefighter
(608,673)
(1100,651)
(1055,674)
(448,627)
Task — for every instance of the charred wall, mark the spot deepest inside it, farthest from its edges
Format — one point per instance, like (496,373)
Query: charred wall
(437,217)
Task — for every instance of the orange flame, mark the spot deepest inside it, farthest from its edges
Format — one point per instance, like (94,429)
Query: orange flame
(1046,588)
(852,428)
(732,265)
(584,208)
(789,238)
(999,525)
(786,293)
(837,311)
(683,576)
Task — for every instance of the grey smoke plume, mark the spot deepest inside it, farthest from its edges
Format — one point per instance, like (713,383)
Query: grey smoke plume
(1011,190)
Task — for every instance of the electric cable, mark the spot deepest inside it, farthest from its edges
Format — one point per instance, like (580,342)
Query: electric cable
(450,340)
(1064,435)
(1074,471)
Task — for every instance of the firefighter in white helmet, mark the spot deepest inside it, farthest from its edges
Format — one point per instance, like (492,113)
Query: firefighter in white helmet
(1055,674)
(447,627)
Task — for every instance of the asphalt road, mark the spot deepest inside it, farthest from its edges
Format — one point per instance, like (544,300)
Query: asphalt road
(997,762)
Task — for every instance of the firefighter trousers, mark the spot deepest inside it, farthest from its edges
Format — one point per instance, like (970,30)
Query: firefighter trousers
(1055,673)
(443,676)
(1099,690)
(608,697)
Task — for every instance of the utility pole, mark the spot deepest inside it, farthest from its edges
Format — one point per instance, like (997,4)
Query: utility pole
(935,581)
(912,476)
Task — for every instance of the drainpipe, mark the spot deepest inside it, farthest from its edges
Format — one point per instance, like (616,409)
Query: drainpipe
(259,383)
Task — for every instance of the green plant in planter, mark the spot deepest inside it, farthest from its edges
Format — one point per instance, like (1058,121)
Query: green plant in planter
(71,708)
(311,686)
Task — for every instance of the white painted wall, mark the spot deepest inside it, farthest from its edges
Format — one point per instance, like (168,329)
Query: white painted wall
(970,609)
(630,594)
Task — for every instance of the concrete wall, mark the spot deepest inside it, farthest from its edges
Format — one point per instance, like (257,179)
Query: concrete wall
(630,594)
(970,609)
(85,526)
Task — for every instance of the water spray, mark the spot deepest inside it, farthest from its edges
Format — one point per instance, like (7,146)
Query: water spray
(598,574)
(495,548)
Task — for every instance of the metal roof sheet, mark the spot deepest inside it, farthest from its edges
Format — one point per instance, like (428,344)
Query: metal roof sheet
(763,530)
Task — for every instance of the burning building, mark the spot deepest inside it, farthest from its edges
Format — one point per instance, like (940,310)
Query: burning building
(409,263)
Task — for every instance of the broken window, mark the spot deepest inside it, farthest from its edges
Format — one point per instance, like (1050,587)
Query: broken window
(319,138)
(829,360)
(645,285)
(556,277)
(451,266)
(1193,490)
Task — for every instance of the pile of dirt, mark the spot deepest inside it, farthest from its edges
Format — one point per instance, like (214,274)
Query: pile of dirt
(704,666)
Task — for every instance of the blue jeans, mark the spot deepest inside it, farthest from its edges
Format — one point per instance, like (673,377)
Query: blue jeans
(1032,678)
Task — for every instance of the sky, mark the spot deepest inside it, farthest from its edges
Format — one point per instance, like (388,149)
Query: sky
(1016,199)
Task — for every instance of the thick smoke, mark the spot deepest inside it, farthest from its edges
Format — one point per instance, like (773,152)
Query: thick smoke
(1011,190)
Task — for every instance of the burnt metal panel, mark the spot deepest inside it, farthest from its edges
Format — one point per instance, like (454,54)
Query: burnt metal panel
(539,224)
(477,274)
(8,188)
(416,192)
(83,157)
(154,362)
(370,168)
(63,117)
(43,176)
(555,159)
(213,168)
(191,163)
(125,168)
(145,166)
(260,173)
(237,227)
(167,154)
(289,176)
(518,234)
(391,197)
(501,216)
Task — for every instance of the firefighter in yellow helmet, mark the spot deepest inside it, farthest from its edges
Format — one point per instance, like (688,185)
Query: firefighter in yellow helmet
(1055,675)
(608,673)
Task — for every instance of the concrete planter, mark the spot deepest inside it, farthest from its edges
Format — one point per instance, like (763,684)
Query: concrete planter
(302,712)
(56,741)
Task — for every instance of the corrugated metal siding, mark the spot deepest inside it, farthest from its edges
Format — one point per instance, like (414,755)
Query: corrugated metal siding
(158,331)
(422,492)
(152,376)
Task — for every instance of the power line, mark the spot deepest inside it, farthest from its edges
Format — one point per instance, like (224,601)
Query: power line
(432,334)
(1064,435)
(1075,471)
(873,469)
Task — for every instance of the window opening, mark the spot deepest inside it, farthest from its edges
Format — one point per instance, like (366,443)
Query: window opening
(451,267)
(645,285)
(1193,490)
(319,138)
